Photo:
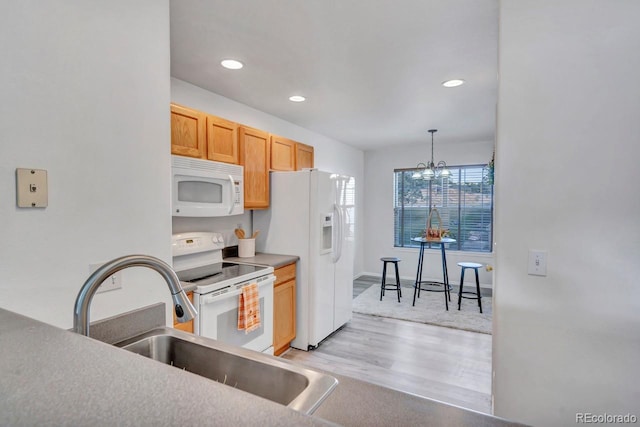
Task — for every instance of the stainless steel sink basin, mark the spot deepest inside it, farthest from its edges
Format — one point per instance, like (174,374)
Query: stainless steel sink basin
(256,373)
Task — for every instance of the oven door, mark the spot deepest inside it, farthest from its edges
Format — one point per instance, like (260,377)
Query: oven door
(218,316)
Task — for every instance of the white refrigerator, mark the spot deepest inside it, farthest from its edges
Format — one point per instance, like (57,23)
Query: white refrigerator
(312,215)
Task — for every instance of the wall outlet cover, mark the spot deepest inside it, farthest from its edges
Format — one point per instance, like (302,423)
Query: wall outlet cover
(111,283)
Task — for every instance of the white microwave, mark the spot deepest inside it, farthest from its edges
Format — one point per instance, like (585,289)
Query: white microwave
(204,188)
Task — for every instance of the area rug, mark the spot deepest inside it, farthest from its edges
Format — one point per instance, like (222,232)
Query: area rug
(429,309)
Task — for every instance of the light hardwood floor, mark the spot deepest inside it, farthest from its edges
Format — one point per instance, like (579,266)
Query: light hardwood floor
(445,364)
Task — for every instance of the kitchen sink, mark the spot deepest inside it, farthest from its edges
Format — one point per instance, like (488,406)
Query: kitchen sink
(262,375)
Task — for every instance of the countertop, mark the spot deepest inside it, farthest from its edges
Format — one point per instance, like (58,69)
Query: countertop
(271,260)
(359,403)
(55,377)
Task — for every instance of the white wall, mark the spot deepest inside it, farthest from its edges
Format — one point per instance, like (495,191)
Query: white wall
(85,95)
(566,174)
(329,155)
(378,240)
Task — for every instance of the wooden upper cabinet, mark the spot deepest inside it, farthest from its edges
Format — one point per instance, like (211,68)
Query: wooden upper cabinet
(283,154)
(222,140)
(304,156)
(188,129)
(254,156)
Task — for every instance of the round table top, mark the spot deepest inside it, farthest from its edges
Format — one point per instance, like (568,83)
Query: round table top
(424,240)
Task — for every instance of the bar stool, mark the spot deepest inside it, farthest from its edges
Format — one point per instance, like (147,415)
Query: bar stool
(478,296)
(390,286)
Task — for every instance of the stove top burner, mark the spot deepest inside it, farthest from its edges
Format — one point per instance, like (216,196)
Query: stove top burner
(218,272)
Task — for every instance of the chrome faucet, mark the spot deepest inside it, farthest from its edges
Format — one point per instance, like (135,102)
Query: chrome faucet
(183,308)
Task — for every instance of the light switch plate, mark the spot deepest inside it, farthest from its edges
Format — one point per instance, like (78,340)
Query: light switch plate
(31,188)
(537,263)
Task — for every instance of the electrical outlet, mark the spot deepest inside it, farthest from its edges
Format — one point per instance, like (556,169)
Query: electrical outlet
(111,283)
(537,263)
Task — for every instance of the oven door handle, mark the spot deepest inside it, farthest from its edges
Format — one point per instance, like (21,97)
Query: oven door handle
(210,299)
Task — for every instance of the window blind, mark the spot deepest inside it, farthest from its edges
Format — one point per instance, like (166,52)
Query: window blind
(464,202)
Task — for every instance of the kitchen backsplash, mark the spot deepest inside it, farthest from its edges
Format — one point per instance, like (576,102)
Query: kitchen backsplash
(224,225)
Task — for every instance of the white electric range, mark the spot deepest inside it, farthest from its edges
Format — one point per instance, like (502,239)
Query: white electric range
(197,260)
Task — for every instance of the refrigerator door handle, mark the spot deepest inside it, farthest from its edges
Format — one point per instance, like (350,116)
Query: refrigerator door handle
(339,232)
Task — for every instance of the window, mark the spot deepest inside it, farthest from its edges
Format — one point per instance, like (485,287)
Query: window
(464,201)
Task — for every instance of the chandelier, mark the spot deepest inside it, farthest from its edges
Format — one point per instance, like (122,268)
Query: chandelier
(431,170)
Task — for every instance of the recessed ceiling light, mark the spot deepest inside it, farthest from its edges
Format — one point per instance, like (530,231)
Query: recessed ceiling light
(232,64)
(453,83)
(297,98)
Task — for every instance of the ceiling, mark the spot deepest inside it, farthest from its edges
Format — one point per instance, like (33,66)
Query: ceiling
(371,70)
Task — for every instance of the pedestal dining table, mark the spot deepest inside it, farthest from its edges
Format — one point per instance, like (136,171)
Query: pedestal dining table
(433,286)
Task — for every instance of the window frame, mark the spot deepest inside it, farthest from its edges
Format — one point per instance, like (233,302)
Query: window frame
(458,246)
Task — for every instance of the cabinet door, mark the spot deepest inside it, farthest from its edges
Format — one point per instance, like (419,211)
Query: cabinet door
(186,326)
(188,128)
(283,154)
(254,156)
(222,140)
(284,316)
(304,156)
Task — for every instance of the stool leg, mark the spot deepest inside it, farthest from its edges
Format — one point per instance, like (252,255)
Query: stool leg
(460,290)
(384,278)
(478,290)
(398,282)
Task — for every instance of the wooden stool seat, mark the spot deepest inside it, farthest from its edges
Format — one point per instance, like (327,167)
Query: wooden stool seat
(390,286)
(476,295)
